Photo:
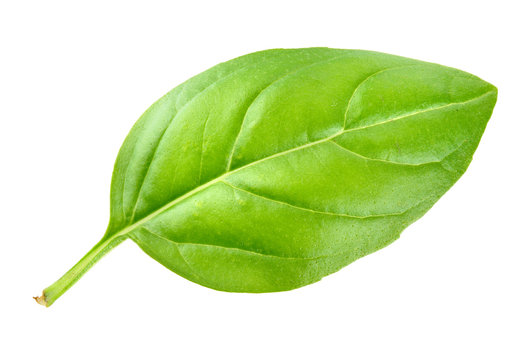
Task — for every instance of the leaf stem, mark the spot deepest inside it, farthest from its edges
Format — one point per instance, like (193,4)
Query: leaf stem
(54,291)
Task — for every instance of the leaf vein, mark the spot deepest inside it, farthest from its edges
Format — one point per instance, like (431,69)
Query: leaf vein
(379,160)
(147,170)
(190,268)
(202,148)
(417,112)
(229,162)
(285,203)
(253,252)
(363,81)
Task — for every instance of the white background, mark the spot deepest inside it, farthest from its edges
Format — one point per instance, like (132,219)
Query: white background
(74,76)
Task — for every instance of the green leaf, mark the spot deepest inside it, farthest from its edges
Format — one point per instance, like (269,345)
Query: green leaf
(272,170)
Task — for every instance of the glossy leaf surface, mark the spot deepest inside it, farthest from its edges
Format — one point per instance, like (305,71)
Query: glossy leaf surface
(272,170)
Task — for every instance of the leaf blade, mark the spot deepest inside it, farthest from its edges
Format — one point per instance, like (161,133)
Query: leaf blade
(287,175)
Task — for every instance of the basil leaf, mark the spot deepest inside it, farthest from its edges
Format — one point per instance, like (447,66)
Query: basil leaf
(272,170)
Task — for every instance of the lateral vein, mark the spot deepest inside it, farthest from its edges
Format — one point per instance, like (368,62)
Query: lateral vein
(230,248)
(310,209)
(229,162)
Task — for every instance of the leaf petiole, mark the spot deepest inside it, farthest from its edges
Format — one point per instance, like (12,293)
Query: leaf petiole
(58,288)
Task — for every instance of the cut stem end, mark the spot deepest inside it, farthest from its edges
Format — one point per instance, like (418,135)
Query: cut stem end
(41,300)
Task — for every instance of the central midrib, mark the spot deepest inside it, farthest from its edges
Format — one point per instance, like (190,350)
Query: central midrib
(198,189)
